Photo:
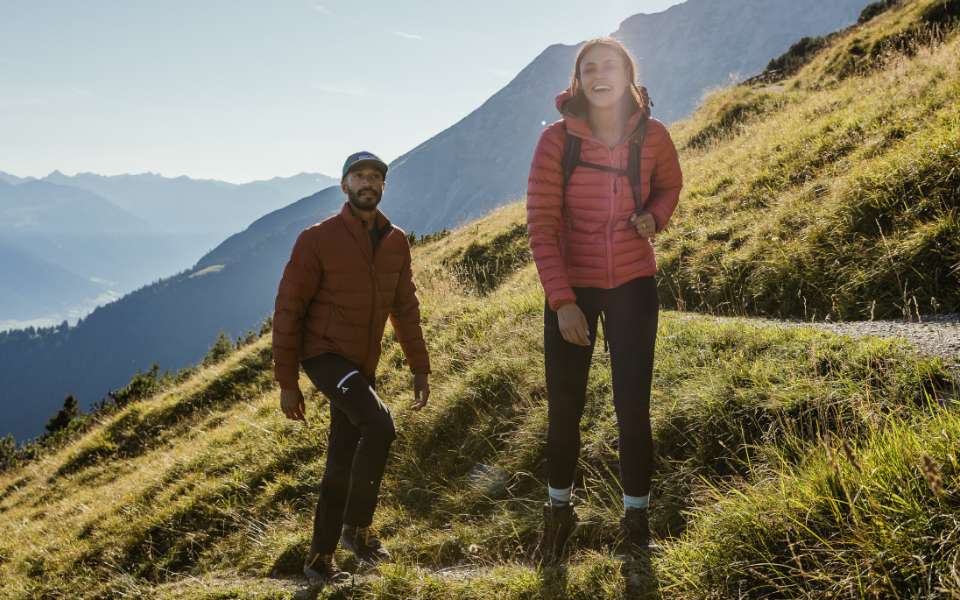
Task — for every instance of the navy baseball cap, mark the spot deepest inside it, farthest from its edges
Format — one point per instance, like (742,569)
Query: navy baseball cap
(363,158)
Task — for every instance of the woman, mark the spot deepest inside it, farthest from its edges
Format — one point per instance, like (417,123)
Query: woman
(590,232)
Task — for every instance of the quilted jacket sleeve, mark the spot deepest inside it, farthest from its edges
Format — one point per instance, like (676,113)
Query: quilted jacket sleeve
(667,180)
(298,285)
(545,218)
(405,317)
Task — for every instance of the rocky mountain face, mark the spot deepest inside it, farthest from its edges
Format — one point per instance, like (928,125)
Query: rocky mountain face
(482,161)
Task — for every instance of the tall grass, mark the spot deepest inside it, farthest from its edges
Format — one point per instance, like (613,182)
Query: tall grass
(827,195)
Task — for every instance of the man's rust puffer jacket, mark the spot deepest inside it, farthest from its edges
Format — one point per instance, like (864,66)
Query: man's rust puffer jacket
(336,294)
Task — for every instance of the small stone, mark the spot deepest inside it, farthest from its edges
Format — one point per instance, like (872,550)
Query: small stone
(489,480)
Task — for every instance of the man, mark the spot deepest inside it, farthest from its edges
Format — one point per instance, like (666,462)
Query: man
(345,276)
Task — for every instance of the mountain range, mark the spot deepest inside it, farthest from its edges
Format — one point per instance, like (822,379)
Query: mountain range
(113,234)
(185,205)
(171,322)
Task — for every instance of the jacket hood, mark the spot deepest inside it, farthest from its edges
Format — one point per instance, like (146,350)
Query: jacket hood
(562,98)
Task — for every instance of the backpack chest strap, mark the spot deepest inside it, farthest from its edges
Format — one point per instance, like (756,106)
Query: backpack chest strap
(607,168)
(571,160)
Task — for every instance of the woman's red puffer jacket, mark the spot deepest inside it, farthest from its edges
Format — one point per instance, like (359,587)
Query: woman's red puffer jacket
(586,239)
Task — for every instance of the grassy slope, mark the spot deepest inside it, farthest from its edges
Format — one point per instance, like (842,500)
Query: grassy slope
(205,490)
(833,192)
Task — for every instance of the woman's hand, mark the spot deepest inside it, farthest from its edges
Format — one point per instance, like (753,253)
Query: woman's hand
(573,325)
(645,224)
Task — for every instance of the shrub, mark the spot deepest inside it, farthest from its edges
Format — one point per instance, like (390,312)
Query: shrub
(142,385)
(794,58)
(416,240)
(62,419)
(222,348)
(8,452)
(875,9)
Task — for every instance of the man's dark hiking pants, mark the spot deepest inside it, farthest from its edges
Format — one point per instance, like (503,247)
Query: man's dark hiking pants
(630,325)
(361,431)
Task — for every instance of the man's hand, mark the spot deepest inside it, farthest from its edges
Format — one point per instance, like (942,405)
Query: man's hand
(573,325)
(292,405)
(645,224)
(421,391)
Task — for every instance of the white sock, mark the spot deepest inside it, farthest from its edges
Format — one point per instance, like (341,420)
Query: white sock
(636,501)
(559,496)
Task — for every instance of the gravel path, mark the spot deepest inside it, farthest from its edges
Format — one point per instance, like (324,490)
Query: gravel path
(937,335)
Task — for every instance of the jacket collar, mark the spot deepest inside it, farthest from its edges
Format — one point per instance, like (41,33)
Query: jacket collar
(359,231)
(382,222)
(579,127)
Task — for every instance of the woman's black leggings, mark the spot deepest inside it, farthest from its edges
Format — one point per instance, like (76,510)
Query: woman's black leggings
(630,314)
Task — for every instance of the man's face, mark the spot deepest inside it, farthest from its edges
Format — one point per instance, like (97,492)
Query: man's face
(363,187)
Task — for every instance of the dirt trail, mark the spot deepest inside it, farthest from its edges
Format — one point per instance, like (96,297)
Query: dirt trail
(637,579)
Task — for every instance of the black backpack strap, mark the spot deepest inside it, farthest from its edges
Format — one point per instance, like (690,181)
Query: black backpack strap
(568,162)
(571,156)
(634,163)
(606,168)
(571,160)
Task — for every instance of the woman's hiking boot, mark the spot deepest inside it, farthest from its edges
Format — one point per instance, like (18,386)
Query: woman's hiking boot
(364,545)
(635,533)
(559,523)
(320,569)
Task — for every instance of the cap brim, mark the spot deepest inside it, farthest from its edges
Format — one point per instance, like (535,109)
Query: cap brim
(379,165)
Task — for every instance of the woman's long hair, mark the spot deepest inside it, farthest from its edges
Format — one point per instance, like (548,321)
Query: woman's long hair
(577,105)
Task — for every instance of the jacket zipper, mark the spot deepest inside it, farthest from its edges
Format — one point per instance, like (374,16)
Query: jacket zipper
(613,203)
(376,292)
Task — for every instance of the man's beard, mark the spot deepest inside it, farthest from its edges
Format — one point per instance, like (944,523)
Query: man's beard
(366,201)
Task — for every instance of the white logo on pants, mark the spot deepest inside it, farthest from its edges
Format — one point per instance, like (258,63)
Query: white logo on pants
(344,389)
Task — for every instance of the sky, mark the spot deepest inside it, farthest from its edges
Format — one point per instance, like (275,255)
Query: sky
(240,90)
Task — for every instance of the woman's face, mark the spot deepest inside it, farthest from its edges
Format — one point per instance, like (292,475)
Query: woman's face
(603,76)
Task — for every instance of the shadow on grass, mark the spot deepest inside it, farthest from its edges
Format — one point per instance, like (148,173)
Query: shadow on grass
(553,583)
(640,578)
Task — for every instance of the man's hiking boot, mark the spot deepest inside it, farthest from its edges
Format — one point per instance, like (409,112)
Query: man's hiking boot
(635,533)
(363,544)
(559,523)
(321,570)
